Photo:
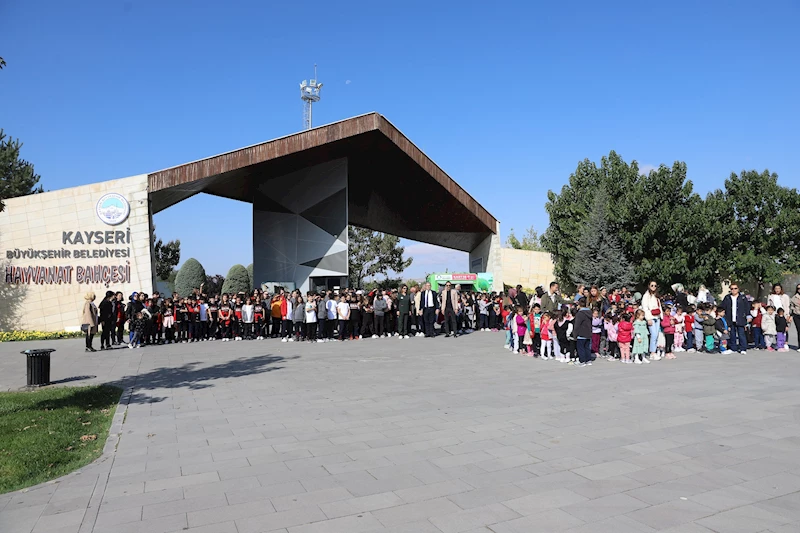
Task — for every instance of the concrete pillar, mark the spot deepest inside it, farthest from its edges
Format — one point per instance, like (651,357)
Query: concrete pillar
(300,226)
(487,257)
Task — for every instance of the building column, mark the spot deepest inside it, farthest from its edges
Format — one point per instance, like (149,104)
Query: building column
(300,226)
(488,257)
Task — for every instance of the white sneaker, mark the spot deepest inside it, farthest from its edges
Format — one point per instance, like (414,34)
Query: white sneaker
(727,352)
(582,364)
(639,361)
(506,346)
(130,345)
(691,350)
(374,336)
(589,363)
(645,360)
(743,352)
(655,357)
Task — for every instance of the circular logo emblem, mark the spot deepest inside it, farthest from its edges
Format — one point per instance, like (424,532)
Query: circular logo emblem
(113,209)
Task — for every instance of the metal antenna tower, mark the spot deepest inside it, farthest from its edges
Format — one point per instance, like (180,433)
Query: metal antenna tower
(309,93)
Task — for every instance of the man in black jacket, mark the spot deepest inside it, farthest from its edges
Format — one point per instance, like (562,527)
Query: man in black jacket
(107,318)
(583,332)
(737,308)
(522,299)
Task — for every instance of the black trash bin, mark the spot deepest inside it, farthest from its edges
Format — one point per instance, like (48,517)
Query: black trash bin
(38,366)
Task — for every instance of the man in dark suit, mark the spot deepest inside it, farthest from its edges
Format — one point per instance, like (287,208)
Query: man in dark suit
(737,309)
(429,302)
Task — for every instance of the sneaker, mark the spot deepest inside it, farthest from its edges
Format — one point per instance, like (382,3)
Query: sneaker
(784,349)
(130,346)
(582,364)
(770,349)
(282,340)
(727,352)
(506,346)
(691,350)
(639,361)
(589,363)
(743,352)
(655,357)
(670,356)
(374,336)
(646,361)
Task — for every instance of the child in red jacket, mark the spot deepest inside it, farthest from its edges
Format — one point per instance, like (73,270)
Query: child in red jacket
(624,338)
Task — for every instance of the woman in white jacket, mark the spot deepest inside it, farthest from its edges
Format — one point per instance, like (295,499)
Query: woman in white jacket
(652,312)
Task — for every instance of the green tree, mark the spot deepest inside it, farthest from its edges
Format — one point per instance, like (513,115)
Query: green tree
(250,274)
(762,222)
(190,276)
(601,260)
(666,230)
(372,253)
(17,177)
(237,280)
(214,284)
(167,257)
(2,63)
(530,241)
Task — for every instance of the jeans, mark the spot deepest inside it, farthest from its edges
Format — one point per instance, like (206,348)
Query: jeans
(690,338)
(738,341)
(758,338)
(655,329)
(584,350)
(483,321)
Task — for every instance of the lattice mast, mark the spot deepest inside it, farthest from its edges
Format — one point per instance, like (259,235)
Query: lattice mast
(309,93)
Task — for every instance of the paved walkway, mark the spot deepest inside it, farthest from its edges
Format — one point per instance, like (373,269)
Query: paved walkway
(425,436)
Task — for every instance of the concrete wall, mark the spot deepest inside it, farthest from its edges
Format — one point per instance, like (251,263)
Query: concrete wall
(526,268)
(300,226)
(487,257)
(32,234)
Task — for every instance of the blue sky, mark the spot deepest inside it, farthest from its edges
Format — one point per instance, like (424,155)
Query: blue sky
(506,97)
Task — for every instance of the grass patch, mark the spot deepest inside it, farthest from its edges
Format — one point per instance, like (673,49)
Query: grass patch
(47,433)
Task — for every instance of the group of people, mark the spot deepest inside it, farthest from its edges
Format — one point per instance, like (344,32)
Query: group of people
(615,324)
(638,328)
(289,315)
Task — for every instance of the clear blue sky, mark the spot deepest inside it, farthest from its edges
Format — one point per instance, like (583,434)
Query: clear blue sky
(506,99)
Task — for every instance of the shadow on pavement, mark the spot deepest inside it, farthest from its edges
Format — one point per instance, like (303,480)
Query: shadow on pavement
(194,377)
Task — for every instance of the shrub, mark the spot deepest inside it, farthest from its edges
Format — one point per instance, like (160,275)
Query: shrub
(12,336)
(190,277)
(250,273)
(237,280)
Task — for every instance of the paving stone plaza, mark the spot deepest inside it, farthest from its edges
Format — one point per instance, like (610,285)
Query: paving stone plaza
(423,436)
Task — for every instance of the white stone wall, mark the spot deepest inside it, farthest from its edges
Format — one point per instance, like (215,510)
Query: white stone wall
(37,222)
(526,268)
(489,255)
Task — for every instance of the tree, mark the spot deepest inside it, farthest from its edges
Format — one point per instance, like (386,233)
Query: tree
(2,63)
(190,276)
(530,241)
(372,253)
(762,223)
(214,284)
(236,281)
(167,257)
(250,274)
(601,260)
(666,230)
(17,177)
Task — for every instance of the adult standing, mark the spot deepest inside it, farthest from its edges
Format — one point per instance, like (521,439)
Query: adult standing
(794,306)
(681,298)
(106,310)
(779,299)
(119,314)
(522,298)
(380,307)
(651,304)
(89,320)
(418,310)
(322,316)
(595,300)
(429,303)
(403,311)
(583,332)
(737,309)
(552,300)
(449,306)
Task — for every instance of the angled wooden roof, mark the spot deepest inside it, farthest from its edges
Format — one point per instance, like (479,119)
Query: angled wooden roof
(393,186)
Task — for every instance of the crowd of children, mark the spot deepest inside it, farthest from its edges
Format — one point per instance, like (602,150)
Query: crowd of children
(638,329)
